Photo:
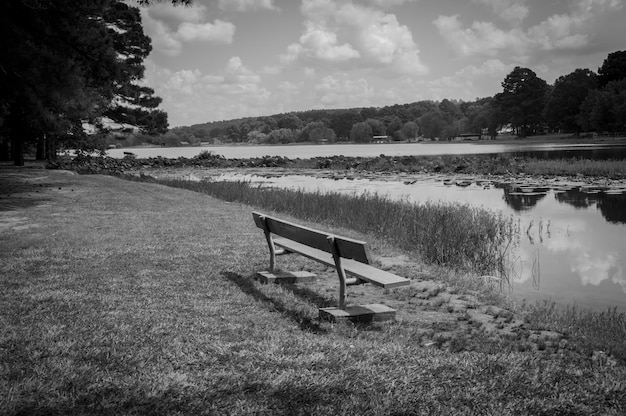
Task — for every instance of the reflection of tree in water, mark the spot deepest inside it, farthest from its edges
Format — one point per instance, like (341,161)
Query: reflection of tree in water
(520,201)
(577,198)
(612,206)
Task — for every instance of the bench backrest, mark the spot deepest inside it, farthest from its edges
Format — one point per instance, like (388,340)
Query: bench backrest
(348,248)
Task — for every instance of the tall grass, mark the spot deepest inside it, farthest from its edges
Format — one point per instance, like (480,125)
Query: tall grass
(593,331)
(574,166)
(454,235)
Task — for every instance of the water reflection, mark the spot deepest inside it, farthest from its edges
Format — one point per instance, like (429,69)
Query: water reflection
(610,202)
(522,201)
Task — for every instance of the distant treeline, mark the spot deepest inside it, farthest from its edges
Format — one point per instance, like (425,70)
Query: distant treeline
(580,101)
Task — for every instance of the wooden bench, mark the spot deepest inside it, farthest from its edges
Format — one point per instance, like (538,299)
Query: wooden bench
(346,255)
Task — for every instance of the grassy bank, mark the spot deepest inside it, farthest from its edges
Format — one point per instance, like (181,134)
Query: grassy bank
(452,235)
(133,298)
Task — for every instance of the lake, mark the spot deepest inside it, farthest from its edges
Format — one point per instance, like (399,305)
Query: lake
(573,238)
(389,149)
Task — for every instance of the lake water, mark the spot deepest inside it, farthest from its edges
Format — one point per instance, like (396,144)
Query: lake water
(389,149)
(573,239)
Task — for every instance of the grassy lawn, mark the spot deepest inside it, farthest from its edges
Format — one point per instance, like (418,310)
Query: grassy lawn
(121,297)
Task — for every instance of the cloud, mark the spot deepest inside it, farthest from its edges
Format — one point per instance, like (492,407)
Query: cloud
(466,81)
(384,4)
(218,32)
(321,43)
(190,97)
(246,5)
(513,11)
(342,91)
(593,263)
(170,26)
(569,31)
(340,32)
(481,38)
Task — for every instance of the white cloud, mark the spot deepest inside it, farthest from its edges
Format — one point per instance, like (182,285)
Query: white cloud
(322,44)
(559,32)
(481,38)
(335,92)
(218,31)
(514,11)
(190,97)
(384,4)
(246,5)
(170,26)
(465,83)
(346,31)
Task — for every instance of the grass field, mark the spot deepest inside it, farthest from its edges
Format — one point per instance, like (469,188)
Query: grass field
(130,298)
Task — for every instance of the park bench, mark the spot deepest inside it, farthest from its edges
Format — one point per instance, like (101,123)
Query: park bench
(346,255)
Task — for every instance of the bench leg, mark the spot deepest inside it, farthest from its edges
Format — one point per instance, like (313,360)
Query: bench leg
(340,272)
(270,244)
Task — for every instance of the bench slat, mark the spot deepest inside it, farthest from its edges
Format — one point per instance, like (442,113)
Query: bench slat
(363,271)
(348,248)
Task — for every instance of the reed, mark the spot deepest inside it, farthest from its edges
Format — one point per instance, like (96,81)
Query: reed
(453,235)
(599,331)
(574,166)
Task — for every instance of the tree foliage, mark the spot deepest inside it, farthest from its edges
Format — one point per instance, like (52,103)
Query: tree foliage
(522,100)
(565,100)
(65,62)
(613,68)
(361,133)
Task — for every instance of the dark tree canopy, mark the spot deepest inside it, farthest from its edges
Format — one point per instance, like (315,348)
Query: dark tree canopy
(65,62)
(613,68)
(522,100)
(569,92)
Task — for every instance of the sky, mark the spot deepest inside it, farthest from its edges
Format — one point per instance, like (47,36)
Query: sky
(226,59)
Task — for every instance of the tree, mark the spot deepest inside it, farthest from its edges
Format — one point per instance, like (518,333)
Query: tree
(64,63)
(566,97)
(233,132)
(450,111)
(393,124)
(522,100)
(317,131)
(409,130)
(361,133)
(484,115)
(283,136)
(342,121)
(289,121)
(605,109)
(431,124)
(613,68)
(256,136)
(377,126)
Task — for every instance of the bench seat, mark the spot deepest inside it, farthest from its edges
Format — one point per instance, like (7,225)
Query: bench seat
(354,268)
